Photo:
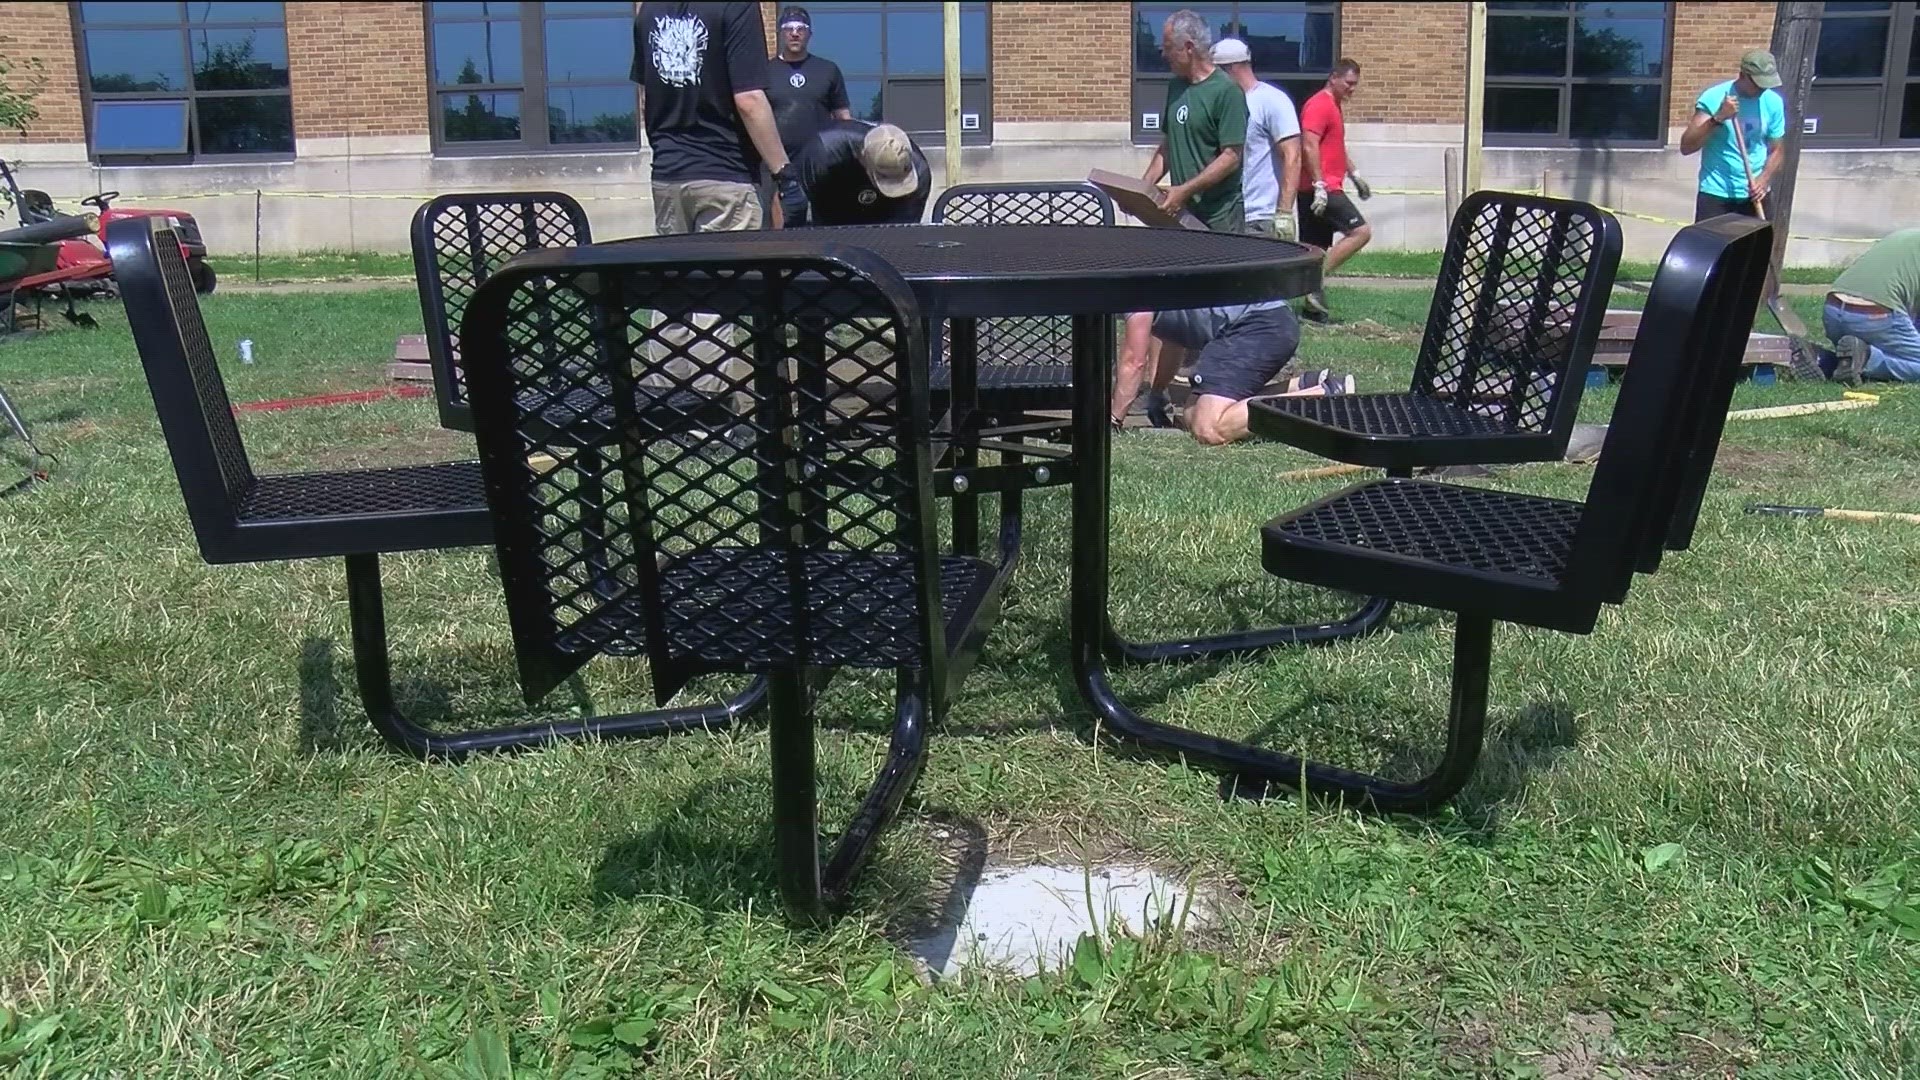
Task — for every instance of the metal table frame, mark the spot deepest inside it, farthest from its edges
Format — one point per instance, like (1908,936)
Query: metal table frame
(1145,270)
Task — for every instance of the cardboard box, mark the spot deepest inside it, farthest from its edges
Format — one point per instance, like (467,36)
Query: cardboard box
(1136,197)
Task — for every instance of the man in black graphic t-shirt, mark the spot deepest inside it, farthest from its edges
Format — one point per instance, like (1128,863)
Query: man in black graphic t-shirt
(703,70)
(856,173)
(806,92)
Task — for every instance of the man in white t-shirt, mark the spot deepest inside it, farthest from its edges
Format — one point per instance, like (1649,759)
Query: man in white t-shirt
(1272,164)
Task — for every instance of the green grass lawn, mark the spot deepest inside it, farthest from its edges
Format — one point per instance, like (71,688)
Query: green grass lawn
(1693,848)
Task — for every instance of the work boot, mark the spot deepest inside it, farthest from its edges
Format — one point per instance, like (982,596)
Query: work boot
(1314,308)
(1852,354)
(1804,359)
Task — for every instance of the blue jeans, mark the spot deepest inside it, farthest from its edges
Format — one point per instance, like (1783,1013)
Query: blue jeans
(1894,342)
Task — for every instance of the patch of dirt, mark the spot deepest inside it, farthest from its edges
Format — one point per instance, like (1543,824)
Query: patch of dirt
(412,447)
(1475,1041)
(1741,463)
(1369,330)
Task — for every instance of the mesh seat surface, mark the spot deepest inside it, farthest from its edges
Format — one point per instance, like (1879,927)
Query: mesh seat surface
(1007,377)
(1400,415)
(568,408)
(730,607)
(454,485)
(1463,528)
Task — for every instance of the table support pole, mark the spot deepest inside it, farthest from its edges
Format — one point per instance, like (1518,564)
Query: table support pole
(963,360)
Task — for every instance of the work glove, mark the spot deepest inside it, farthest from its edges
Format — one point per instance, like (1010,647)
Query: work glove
(1283,227)
(1361,187)
(1320,197)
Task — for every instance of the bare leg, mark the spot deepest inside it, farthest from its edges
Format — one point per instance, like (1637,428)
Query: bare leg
(1345,248)
(1135,353)
(1168,364)
(1217,421)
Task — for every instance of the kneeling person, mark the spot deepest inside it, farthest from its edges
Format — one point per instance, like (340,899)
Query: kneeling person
(1241,349)
(857,173)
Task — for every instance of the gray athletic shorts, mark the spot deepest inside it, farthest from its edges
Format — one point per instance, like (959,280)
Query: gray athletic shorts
(1241,362)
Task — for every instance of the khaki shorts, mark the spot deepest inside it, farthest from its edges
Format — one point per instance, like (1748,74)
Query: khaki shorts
(691,206)
(687,359)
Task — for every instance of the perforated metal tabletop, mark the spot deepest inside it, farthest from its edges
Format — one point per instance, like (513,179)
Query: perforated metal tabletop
(980,271)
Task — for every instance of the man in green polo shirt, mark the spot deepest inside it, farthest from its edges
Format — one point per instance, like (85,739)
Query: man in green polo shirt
(1202,129)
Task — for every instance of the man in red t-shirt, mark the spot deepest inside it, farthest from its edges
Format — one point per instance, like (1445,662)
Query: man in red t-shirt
(1324,208)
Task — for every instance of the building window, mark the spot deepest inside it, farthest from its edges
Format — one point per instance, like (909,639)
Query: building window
(1866,76)
(1583,73)
(532,76)
(893,58)
(1293,45)
(168,82)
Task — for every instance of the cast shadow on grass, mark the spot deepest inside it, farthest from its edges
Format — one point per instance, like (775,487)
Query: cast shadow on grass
(332,717)
(1516,748)
(713,850)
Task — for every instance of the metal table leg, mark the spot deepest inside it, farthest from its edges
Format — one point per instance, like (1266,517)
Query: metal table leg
(963,398)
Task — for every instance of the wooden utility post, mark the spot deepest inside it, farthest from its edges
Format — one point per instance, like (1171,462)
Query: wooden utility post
(1476,96)
(1796,36)
(951,11)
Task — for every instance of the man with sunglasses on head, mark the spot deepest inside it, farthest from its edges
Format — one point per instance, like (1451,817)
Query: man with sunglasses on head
(807,92)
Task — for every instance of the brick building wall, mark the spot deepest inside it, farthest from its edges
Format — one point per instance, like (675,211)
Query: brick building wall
(1413,63)
(357,68)
(1708,39)
(44,31)
(1062,61)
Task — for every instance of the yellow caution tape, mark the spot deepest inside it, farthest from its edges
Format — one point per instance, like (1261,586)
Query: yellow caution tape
(1617,212)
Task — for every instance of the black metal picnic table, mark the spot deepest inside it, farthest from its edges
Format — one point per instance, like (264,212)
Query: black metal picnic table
(963,273)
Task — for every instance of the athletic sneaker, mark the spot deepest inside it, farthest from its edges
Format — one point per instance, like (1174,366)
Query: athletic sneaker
(1804,359)
(1853,354)
(1307,380)
(1313,308)
(1337,385)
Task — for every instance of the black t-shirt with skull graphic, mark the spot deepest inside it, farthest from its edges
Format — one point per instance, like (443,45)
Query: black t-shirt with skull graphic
(804,96)
(690,59)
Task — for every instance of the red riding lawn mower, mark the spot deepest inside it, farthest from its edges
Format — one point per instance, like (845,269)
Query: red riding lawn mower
(66,254)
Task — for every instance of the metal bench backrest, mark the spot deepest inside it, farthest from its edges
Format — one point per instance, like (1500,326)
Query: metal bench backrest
(1522,293)
(196,415)
(805,535)
(1667,422)
(1036,340)
(458,240)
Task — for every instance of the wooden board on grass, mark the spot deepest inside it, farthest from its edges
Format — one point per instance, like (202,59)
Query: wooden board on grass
(410,360)
(1619,327)
(1136,197)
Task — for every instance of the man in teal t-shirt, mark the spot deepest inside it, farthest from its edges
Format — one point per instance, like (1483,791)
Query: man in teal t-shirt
(1203,129)
(1750,102)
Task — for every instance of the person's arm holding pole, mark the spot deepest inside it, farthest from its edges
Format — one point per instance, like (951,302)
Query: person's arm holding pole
(1700,128)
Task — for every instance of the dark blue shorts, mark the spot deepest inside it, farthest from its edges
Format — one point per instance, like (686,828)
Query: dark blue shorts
(1241,362)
